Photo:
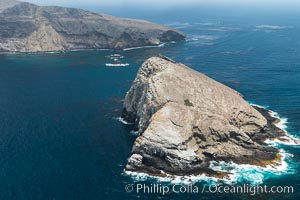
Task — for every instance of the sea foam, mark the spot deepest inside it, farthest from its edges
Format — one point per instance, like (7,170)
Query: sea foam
(139,176)
(272,27)
(288,140)
(120,119)
(117,64)
(237,173)
(282,124)
(252,174)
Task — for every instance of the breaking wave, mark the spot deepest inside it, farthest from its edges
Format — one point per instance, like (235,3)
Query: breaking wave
(120,119)
(139,176)
(136,133)
(241,173)
(238,173)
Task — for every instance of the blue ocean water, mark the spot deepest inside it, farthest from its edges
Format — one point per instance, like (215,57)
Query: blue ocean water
(58,135)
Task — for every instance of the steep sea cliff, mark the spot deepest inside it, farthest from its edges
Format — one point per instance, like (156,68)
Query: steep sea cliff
(187,121)
(25,27)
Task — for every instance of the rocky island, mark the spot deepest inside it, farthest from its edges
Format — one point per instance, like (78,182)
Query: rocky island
(25,27)
(186,120)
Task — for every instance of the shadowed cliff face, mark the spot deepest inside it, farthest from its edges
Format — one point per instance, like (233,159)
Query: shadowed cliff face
(186,119)
(25,27)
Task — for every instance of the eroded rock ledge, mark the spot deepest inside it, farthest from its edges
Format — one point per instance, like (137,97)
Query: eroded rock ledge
(186,119)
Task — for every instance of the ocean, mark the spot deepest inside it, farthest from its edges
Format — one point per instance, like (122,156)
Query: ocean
(60,137)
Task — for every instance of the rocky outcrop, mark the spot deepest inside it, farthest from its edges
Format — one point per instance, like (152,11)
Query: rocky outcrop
(25,27)
(186,119)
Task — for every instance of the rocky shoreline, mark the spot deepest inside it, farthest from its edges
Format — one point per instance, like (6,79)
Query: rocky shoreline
(83,50)
(26,27)
(207,171)
(186,120)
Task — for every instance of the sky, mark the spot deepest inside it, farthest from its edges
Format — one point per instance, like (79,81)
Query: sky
(139,8)
(169,3)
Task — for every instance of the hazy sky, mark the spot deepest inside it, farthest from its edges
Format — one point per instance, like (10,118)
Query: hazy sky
(170,3)
(148,9)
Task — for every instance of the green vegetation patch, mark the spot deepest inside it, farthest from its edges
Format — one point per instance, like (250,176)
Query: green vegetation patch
(188,103)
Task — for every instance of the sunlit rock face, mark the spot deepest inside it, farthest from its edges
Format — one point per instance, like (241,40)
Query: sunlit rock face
(186,119)
(25,27)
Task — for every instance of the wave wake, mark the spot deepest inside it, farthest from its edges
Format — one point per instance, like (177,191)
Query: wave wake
(151,46)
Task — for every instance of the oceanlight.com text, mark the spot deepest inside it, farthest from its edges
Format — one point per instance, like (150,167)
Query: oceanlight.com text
(142,188)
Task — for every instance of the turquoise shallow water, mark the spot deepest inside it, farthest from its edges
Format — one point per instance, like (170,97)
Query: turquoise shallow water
(58,138)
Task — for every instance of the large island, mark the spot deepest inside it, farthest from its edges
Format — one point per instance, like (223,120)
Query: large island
(25,27)
(186,120)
